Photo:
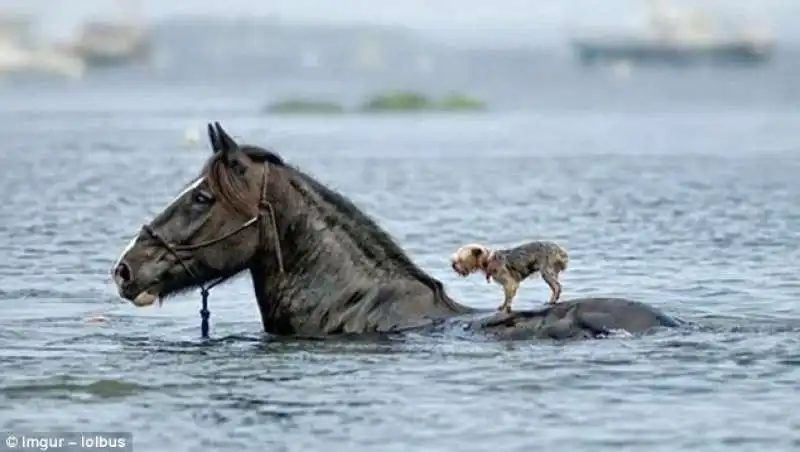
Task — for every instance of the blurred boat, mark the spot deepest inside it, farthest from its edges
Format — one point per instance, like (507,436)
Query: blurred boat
(103,44)
(18,54)
(677,36)
(114,42)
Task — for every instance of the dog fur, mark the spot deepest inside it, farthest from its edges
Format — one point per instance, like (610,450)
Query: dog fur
(509,267)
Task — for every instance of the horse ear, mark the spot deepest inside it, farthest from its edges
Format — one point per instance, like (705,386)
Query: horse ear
(214,139)
(227,144)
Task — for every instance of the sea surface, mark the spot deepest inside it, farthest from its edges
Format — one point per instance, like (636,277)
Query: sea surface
(679,189)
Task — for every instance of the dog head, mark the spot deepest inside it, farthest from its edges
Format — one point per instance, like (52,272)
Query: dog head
(469,259)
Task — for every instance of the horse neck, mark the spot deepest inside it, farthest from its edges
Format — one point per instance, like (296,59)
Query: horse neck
(330,274)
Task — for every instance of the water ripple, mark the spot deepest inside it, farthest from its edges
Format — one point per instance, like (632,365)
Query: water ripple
(707,235)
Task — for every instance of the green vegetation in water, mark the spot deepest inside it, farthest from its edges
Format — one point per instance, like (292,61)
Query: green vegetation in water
(413,101)
(460,102)
(307,106)
(397,101)
(388,101)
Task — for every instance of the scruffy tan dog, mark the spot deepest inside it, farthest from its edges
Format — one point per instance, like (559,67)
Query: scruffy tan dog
(509,267)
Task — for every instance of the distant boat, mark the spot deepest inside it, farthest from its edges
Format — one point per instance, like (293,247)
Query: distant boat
(18,55)
(676,37)
(108,44)
(114,43)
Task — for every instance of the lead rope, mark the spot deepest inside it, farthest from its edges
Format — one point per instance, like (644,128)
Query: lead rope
(205,314)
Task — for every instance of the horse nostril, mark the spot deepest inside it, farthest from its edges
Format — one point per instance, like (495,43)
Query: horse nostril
(123,272)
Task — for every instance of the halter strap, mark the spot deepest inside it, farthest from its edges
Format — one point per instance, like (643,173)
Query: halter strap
(266,214)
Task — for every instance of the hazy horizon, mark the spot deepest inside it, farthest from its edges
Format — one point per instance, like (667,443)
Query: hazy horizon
(518,21)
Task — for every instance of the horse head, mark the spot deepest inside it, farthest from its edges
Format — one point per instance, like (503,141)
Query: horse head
(213,229)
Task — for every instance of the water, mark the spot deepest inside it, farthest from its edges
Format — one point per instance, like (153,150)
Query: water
(691,209)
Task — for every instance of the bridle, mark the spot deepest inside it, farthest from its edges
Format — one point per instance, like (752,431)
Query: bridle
(265,215)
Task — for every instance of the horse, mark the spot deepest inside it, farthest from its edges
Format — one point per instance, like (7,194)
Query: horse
(320,267)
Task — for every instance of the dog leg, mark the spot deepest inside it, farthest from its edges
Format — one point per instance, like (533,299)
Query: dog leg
(555,287)
(510,291)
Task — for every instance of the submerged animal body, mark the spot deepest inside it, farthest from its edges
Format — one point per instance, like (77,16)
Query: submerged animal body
(319,265)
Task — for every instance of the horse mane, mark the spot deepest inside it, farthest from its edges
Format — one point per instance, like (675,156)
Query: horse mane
(372,229)
(232,191)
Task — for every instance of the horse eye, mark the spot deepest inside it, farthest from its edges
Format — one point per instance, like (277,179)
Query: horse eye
(202,198)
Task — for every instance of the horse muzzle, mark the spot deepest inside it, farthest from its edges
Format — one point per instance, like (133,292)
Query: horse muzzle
(142,287)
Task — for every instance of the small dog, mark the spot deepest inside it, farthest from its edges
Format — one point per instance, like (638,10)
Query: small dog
(509,267)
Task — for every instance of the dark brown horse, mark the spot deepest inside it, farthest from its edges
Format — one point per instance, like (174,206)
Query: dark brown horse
(319,265)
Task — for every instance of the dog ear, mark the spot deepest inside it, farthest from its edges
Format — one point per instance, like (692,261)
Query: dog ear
(477,252)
